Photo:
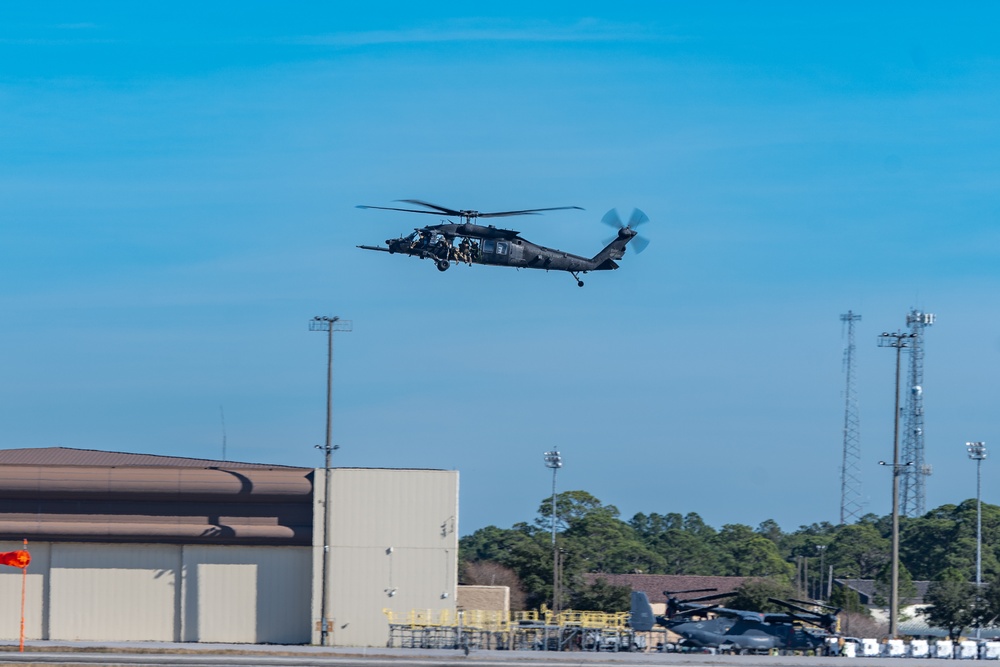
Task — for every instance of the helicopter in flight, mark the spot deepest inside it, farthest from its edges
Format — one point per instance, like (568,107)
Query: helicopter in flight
(717,627)
(489,245)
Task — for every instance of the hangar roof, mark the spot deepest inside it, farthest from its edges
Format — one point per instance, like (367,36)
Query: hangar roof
(66,456)
(81,495)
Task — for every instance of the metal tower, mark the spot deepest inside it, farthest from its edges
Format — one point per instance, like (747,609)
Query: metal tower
(914,477)
(850,470)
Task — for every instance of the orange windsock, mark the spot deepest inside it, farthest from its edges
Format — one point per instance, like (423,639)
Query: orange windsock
(15,558)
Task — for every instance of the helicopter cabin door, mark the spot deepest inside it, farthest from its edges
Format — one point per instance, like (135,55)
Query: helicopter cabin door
(496,251)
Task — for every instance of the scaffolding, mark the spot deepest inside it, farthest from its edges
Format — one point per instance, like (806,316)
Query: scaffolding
(544,630)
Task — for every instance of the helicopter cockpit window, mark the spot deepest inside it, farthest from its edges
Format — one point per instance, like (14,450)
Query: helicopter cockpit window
(502,247)
(489,245)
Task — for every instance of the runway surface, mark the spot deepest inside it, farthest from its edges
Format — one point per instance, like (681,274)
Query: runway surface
(223,655)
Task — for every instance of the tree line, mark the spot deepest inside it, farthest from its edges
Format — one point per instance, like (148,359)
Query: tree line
(591,537)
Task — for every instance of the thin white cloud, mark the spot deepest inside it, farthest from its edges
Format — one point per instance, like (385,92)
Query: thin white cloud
(586,30)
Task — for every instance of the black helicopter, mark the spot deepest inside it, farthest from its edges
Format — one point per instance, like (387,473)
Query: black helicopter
(479,244)
(734,629)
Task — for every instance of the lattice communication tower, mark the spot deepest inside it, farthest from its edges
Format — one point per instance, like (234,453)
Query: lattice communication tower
(851,505)
(913,478)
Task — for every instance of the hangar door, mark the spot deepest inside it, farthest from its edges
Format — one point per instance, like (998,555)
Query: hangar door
(161,592)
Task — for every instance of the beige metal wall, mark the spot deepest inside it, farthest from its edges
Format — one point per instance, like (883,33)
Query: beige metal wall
(36,580)
(126,592)
(394,544)
(110,592)
(246,594)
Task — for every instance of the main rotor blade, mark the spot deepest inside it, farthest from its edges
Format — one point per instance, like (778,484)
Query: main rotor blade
(477,214)
(637,218)
(439,209)
(529,211)
(406,210)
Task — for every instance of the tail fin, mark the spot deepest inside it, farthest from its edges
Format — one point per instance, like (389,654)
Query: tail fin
(605,259)
(642,618)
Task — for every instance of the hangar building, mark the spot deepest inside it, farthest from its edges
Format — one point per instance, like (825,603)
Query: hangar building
(133,547)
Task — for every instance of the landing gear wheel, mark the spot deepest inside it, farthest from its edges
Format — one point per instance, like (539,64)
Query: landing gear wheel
(443,264)
(579,283)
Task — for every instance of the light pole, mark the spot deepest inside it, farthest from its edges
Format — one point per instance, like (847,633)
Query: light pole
(554,461)
(329,325)
(977,452)
(821,548)
(897,340)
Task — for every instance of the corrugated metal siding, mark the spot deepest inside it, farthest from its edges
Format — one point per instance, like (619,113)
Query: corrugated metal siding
(247,594)
(416,508)
(10,593)
(98,592)
(115,592)
(392,530)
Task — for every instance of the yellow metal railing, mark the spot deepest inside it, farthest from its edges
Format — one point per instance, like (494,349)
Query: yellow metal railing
(501,621)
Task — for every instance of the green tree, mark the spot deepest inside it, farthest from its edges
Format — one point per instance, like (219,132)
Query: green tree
(571,506)
(883,585)
(523,549)
(848,600)
(952,603)
(600,542)
(754,594)
(601,596)
(987,613)
(683,543)
(748,554)
(771,530)
(858,551)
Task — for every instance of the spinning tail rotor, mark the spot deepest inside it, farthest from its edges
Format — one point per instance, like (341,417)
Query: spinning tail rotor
(638,218)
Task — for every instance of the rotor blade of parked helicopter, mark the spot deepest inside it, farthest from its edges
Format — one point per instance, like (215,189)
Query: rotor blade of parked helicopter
(692,590)
(837,610)
(637,218)
(703,598)
(406,210)
(789,605)
(696,611)
(529,211)
(612,219)
(427,204)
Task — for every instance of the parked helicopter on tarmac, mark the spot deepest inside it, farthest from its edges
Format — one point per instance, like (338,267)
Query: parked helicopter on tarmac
(486,244)
(717,627)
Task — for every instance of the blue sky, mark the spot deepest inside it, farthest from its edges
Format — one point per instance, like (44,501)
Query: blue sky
(177,199)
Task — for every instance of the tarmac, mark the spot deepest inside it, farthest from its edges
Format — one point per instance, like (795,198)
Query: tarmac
(128,654)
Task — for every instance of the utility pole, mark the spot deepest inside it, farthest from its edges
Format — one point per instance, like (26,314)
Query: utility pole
(977,452)
(329,325)
(850,471)
(554,461)
(898,341)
